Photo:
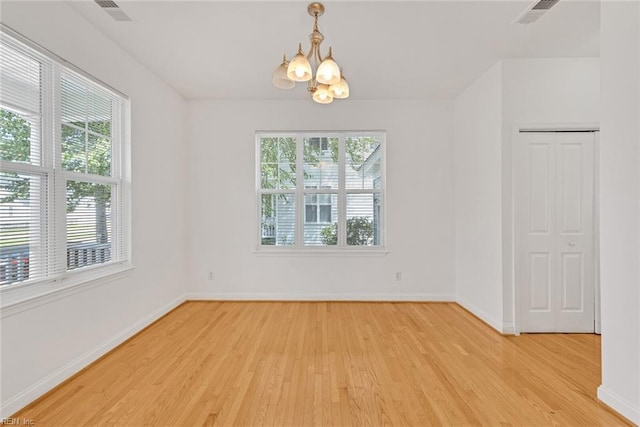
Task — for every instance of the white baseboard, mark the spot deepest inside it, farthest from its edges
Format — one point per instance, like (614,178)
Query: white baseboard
(213,296)
(22,399)
(503,328)
(508,329)
(620,405)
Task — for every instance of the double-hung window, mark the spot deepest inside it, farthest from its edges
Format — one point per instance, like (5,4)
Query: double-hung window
(320,189)
(63,178)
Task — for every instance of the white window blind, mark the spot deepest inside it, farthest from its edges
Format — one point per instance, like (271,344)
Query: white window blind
(62,147)
(338,178)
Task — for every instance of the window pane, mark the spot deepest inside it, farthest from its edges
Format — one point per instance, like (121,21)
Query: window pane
(89,225)
(325,213)
(310,213)
(74,149)
(363,219)
(277,163)
(364,166)
(19,140)
(310,199)
(278,220)
(85,108)
(20,230)
(74,102)
(321,162)
(99,114)
(324,199)
(322,230)
(85,152)
(20,74)
(99,155)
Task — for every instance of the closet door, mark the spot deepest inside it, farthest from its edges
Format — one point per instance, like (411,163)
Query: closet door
(554,197)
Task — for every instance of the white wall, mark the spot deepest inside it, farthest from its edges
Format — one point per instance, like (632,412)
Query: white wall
(620,207)
(43,345)
(540,91)
(478,197)
(419,226)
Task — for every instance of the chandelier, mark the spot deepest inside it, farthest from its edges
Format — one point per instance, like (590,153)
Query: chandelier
(328,82)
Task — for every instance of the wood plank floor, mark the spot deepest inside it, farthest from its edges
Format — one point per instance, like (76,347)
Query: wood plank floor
(332,363)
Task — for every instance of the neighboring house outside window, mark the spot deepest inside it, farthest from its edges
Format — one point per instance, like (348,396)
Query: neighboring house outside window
(317,207)
(62,181)
(337,176)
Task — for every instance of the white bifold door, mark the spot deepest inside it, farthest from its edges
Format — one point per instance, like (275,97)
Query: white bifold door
(554,225)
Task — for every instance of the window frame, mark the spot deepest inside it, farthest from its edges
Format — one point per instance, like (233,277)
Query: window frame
(299,190)
(53,200)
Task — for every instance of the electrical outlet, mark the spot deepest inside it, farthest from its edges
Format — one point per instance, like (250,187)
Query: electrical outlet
(398,276)
(210,276)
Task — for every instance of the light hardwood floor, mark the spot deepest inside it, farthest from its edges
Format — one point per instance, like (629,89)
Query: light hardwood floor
(332,363)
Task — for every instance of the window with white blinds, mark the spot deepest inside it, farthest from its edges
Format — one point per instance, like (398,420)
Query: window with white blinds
(320,190)
(62,181)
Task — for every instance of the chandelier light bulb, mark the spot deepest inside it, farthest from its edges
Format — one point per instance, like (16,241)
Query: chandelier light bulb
(322,95)
(328,72)
(340,90)
(299,69)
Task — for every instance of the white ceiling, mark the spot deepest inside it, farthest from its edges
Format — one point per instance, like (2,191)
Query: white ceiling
(387,49)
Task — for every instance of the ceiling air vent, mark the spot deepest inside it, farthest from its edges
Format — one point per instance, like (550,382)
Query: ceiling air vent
(113,10)
(535,11)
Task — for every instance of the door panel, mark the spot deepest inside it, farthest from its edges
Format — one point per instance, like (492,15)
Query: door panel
(554,183)
(540,282)
(571,187)
(572,283)
(539,203)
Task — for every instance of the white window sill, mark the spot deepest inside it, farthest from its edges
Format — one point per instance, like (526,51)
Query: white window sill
(25,296)
(320,252)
